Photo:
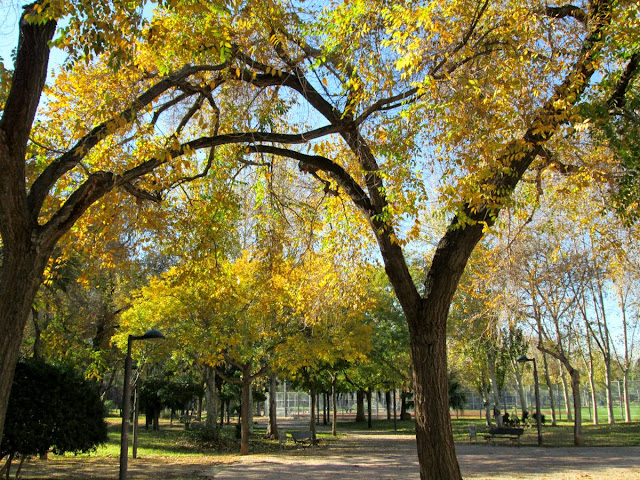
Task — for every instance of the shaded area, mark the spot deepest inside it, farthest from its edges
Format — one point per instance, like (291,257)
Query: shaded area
(359,455)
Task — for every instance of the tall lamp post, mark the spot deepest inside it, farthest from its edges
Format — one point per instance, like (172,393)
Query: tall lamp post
(523,359)
(126,400)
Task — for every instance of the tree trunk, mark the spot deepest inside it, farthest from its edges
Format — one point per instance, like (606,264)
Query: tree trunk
(491,364)
(565,391)
(211,396)
(334,402)
(313,396)
(272,427)
(20,277)
(594,397)
(592,381)
(369,399)
(520,387)
(577,407)
(436,450)
(250,411)
(547,379)
(625,393)
(360,406)
(488,418)
(387,400)
(245,405)
(607,385)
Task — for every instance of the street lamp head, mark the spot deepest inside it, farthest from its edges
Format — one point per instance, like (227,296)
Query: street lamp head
(524,358)
(152,334)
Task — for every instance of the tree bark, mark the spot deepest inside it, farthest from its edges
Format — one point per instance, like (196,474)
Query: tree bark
(369,401)
(360,406)
(334,403)
(565,390)
(25,253)
(313,395)
(244,411)
(491,363)
(577,407)
(211,395)
(272,427)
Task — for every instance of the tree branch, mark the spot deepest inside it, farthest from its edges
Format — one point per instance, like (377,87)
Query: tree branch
(617,99)
(71,158)
(565,11)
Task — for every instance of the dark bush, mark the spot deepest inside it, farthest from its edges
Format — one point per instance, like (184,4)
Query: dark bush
(52,408)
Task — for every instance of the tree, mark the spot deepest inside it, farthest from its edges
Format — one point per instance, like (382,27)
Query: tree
(485,131)
(51,408)
(40,203)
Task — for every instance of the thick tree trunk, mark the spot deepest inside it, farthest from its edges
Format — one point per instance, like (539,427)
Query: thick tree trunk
(25,253)
(436,449)
(19,281)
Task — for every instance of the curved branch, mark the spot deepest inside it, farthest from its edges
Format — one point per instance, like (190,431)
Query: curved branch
(335,171)
(617,99)
(43,184)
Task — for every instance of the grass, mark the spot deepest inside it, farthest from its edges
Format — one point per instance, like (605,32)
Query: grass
(603,435)
(561,435)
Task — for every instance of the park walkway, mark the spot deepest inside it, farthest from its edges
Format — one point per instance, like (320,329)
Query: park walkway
(372,456)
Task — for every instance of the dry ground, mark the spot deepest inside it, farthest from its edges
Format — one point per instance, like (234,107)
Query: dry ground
(362,455)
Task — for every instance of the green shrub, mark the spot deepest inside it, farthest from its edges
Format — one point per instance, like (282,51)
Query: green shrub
(52,408)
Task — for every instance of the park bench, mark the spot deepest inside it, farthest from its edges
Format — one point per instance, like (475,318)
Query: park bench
(303,438)
(507,433)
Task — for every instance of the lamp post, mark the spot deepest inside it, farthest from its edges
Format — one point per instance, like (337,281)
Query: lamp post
(523,359)
(126,400)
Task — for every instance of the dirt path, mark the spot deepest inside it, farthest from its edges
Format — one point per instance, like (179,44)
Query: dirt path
(360,455)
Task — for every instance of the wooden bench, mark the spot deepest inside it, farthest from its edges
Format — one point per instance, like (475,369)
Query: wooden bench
(512,434)
(303,438)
